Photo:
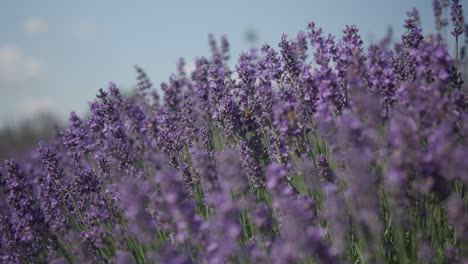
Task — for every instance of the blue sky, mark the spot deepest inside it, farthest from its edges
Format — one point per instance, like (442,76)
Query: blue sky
(55,55)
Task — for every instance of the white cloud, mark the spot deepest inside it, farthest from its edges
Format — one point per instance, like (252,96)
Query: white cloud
(83,29)
(32,67)
(35,25)
(16,67)
(34,106)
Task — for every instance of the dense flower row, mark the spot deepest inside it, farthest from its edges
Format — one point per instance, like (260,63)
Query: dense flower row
(322,151)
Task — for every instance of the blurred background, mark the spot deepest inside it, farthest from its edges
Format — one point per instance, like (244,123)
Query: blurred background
(55,55)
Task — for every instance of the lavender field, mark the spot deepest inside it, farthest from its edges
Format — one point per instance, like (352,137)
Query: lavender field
(318,149)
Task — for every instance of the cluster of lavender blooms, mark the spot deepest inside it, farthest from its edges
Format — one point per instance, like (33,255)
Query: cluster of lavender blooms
(319,151)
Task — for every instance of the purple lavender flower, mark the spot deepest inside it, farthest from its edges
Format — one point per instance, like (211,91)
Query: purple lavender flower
(76,137)
(350,64)
(290,57)
(134,199)
(251,166)
(324,170)
(144,82)
(201,83)
(299,237)
(439,21)
(8,254)
(172,94)
(230,174)
(414,37)
(246,70)
(458,217)
(329,97)
(268,73)
(205,168)
(181,210)
(457,18)
(53,189)
(224,45)
(170,254)
(278,181)
(334,213)
(122,257)
(27,227)
(224,232)
(382,80)
(270,64)
(106,124)
(301,46)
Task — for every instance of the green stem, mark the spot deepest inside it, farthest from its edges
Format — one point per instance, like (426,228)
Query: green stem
(456,53)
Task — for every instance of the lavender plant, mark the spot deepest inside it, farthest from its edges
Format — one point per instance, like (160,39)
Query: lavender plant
(321,151)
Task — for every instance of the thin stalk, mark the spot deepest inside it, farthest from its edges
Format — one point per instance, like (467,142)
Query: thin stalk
(456,53)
